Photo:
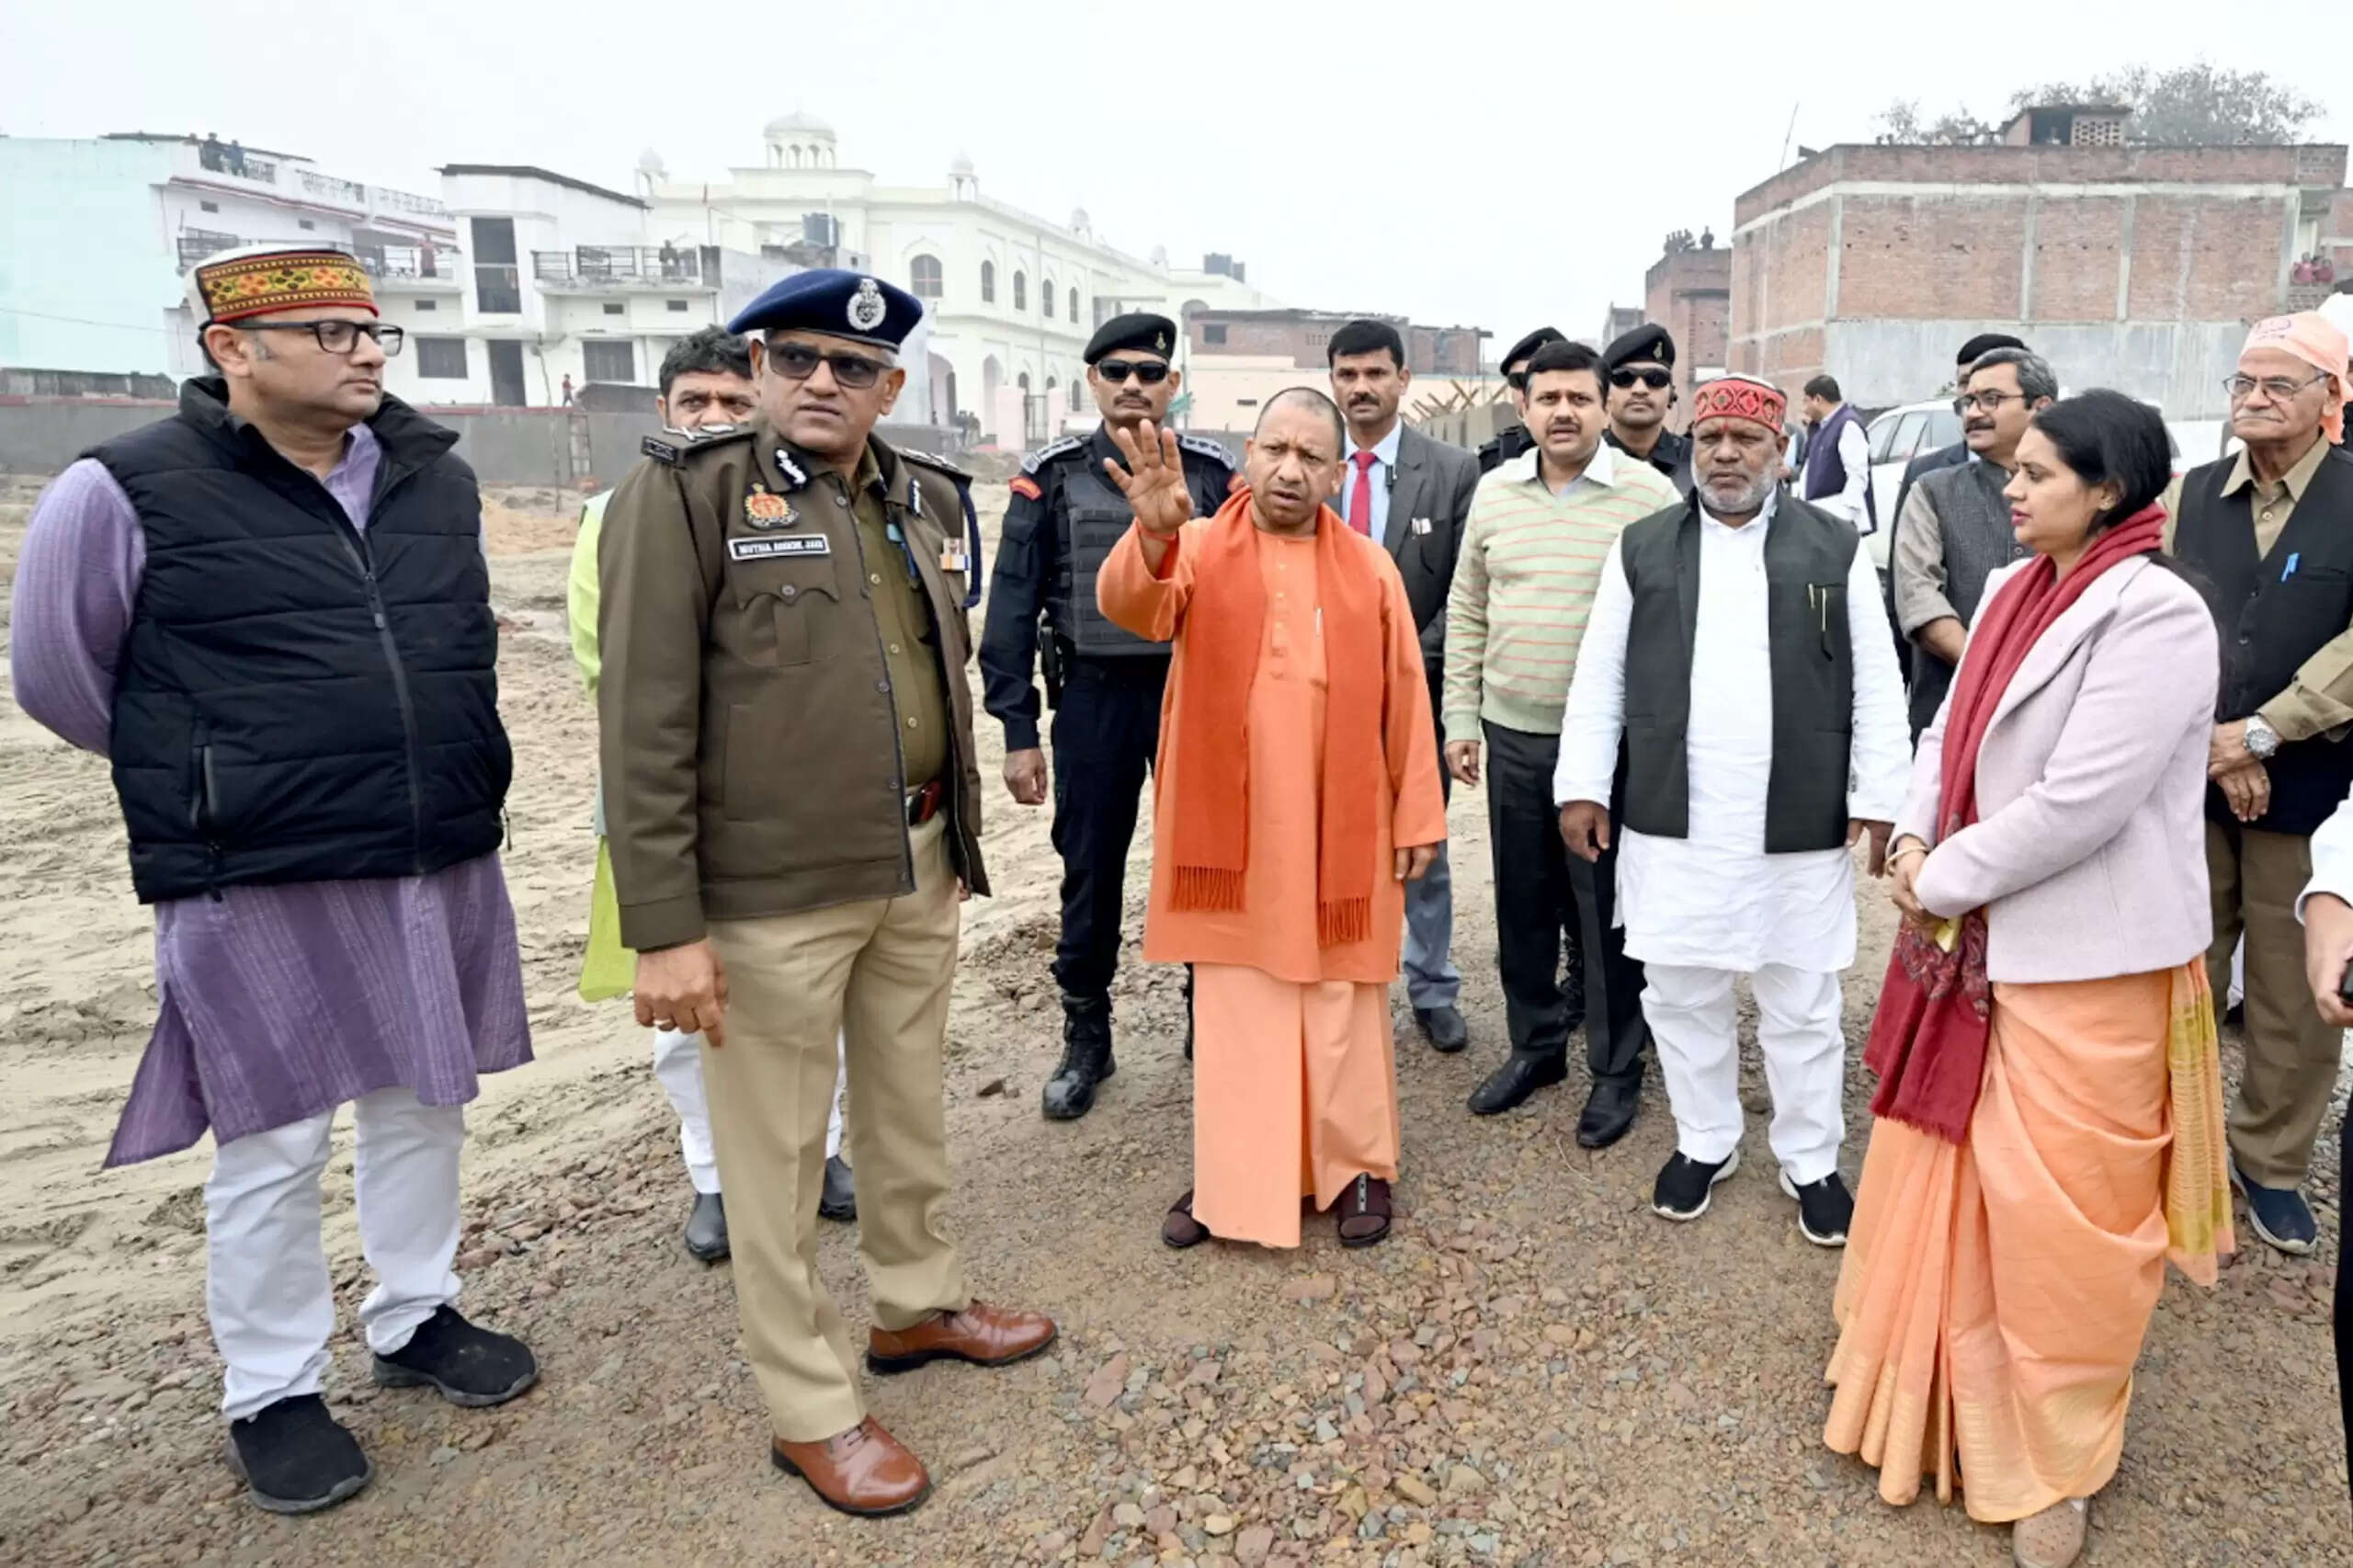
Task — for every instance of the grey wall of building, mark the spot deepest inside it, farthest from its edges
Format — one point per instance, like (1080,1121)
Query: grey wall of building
(2180,366)
(505,446)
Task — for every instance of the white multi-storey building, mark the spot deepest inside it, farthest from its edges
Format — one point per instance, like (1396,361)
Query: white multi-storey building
(96,238)
(1010,297)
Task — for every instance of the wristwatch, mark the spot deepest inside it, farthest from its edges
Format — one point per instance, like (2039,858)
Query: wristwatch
(2262,739)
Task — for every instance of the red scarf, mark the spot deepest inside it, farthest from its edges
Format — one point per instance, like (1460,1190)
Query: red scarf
(1224,625)
(1928,1039)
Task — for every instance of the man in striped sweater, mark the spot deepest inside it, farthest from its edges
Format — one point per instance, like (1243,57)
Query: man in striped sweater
(1539,529)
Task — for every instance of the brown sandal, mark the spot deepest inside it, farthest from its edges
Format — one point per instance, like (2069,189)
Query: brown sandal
(1180,1230)
(1367,1199)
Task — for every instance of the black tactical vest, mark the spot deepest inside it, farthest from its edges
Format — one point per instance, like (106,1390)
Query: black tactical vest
(1093,517)
(299,700)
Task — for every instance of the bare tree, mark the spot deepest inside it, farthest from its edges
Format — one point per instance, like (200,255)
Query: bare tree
(2194,105)
(1901,125)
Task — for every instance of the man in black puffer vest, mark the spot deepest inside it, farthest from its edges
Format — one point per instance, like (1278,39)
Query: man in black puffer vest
(271,613)
(2269,534)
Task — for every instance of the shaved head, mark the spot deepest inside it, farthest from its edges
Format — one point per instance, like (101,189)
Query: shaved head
(1306,398)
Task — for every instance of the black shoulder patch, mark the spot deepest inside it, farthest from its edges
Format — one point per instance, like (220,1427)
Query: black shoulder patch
(1050,451)
(1202,447)
(663,450)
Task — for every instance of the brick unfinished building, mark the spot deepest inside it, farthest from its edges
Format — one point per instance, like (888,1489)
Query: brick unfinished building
(2134,267)
(1688,291)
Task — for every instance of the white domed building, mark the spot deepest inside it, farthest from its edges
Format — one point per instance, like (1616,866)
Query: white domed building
(1011,297)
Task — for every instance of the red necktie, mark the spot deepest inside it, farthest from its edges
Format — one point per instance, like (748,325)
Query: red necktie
(1361,498)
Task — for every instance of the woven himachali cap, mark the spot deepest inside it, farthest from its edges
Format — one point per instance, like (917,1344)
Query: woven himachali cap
(1737,397)
(253,280)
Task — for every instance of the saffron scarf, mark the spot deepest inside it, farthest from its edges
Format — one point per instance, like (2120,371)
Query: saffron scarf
(1928,1039)
(1224,625)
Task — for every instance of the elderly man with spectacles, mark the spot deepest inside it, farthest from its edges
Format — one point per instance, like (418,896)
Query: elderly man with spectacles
(2269,533)
(270,613)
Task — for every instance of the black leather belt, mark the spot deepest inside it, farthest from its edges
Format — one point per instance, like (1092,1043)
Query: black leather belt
(924,804)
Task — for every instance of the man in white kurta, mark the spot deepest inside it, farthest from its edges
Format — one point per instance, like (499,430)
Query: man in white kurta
(1705,907)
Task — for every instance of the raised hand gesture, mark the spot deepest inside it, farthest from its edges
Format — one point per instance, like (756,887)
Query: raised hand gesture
(1153,481)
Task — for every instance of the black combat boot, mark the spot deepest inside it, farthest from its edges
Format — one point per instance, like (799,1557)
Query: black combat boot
(1086,1058)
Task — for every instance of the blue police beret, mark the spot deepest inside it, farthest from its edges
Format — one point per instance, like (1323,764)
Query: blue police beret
(837,303)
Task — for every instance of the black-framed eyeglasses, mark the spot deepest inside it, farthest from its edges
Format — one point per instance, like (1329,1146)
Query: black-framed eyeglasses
(798,362)
(1147,373)
(2278,389)
(1654,378)
(336,336)
(1984,402)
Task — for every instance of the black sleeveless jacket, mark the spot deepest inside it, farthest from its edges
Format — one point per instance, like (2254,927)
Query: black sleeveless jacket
(299,700)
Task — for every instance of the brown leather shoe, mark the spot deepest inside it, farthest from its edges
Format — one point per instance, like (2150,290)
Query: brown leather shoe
(986,1336)
(864,1470)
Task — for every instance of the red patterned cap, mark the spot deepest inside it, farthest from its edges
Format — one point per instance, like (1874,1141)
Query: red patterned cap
(253,280)
(1737,397)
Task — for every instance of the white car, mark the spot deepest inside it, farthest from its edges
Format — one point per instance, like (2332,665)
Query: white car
(1896,438)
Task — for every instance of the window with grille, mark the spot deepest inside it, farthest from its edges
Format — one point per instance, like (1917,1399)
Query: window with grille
(988,283)
(608,361)
(441,358)
(922,276)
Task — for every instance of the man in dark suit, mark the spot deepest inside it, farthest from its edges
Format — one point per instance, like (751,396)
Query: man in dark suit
(1413,494)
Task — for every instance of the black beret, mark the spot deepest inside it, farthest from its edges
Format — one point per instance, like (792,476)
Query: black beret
(1526,347)
(1984,343)
(1138,330)
(1649,341)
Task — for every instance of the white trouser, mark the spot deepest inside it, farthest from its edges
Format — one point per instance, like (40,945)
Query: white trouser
(678,1062)
(266,1290)
(1690,1013)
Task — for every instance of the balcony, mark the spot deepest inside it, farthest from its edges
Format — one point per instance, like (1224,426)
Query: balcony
(394,268)
(597,268)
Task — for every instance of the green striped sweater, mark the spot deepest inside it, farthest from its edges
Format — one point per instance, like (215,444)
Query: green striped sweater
(1524,586)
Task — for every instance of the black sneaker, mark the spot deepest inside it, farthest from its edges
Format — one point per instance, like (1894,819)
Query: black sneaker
(296,1458)
(1685,1186)
(470,1366)
(1825,1209)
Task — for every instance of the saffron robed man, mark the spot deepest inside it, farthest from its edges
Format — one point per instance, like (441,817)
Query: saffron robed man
(1105,682)
(270,612)
(1297,796)
(1739,649)
(793,814)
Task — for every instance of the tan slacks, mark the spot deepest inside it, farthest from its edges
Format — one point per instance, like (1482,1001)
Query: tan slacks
(880,972)
(2291,1054)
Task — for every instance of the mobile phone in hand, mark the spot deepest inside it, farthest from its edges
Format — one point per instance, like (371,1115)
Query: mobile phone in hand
(2345,986)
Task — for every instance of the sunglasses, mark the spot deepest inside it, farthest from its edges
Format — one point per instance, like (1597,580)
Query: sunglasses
(1656,379)
(1515,380)
(852,372)
(1146,371)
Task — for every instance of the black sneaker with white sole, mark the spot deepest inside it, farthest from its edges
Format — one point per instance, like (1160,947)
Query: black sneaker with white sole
(470,1366)
(1685,1185)
(1825,1210)
(296,1458)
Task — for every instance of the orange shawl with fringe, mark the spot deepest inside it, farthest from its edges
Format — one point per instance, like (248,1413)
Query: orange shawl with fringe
(1223,627)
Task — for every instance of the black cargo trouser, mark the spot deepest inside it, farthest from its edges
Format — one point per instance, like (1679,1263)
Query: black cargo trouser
(1106,735)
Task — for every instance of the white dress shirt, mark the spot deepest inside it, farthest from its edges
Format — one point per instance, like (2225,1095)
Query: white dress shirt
(1715,899)
(1854,457)
(1383,475)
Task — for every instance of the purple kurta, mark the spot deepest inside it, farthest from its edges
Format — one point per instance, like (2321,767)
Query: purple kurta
(282,1002)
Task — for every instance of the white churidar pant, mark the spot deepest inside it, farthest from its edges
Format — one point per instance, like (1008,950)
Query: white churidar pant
(1691,1017)
(677,1063)
(266,1290)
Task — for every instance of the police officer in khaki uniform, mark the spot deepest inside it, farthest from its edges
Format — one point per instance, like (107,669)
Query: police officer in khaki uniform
(793,814)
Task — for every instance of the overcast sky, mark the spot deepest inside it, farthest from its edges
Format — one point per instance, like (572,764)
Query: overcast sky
(1434,159)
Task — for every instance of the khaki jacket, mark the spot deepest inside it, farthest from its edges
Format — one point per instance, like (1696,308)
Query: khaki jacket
(749,742)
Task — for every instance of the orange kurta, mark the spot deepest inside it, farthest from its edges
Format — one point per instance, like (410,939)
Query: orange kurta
(1294,1084)
(1274,928)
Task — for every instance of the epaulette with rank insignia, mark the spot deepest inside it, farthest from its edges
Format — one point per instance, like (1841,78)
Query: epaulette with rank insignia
(1201,445)
(672,447)
(1050,451)
(938,465)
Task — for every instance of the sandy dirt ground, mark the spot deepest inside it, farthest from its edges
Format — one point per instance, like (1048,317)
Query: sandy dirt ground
(1535,1370)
